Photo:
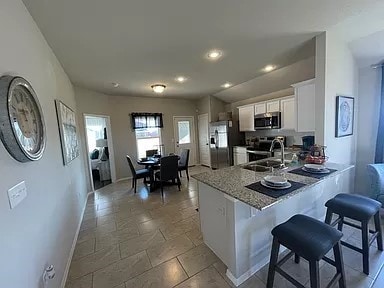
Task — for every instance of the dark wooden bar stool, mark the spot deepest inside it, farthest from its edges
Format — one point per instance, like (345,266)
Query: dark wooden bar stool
(361,209)
(311,239)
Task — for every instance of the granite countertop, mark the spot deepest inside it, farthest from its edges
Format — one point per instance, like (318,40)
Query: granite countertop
(232,181)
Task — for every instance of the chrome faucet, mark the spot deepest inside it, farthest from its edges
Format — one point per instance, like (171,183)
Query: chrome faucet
(277,139)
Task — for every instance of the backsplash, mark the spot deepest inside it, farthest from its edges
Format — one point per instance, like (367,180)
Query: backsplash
(292,137)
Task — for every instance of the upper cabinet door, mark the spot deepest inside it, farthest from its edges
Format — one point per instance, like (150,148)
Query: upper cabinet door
(260,108)
(246,118)
(288,113)
(305,97)
(273,106)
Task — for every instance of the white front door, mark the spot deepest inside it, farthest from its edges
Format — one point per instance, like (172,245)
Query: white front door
(204,140)
(184,130)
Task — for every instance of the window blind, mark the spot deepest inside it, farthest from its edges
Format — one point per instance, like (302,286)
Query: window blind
(147,120)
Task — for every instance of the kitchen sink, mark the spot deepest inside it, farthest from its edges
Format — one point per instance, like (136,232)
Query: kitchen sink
(271,163)
(257,168)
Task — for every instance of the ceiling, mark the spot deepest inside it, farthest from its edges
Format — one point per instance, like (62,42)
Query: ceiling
(140,42)
(369,50)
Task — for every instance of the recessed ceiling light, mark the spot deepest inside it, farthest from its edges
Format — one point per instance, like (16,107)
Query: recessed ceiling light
(158,88)
(226,85)
(115,85)
(214,54)
(181,79)
(269,68)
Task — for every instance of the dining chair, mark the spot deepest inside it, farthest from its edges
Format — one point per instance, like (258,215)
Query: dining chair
(168,171)
(151,153)
(137,174)
(183,162)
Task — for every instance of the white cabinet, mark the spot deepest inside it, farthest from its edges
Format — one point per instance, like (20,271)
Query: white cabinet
(305,98)
(288,113)
(215,229)
(246,118)
(239,155)
(273,106)
(260,108)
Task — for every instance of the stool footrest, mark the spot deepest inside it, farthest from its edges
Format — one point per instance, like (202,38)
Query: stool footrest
(356,226)
(329,261)
(357,249)
(350,246)
(334,280)
(373,238)
(284,259)
(289,277)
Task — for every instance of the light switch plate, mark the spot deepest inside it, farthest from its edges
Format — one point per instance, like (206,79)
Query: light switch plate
(17,194)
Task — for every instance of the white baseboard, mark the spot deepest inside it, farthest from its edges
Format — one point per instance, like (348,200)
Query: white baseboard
(253,270)
(66,271)
(122,179)
(245,276)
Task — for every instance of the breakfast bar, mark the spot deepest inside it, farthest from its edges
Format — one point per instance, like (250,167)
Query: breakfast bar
(236,221)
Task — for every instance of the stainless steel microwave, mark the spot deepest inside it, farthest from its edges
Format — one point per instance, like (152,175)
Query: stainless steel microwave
(268,121)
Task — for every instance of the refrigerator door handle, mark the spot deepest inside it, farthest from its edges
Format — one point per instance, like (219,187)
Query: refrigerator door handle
(216,139)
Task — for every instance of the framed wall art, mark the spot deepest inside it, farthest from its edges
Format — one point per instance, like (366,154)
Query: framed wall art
(67,127)
(344,116)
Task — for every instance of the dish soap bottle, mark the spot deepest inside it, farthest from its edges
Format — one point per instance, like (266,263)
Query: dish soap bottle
(295,160)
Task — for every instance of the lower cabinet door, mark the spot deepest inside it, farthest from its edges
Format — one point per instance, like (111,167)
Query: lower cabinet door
(213,220)
(239,158)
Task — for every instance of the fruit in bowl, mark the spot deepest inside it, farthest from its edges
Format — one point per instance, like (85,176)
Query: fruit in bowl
(316,159)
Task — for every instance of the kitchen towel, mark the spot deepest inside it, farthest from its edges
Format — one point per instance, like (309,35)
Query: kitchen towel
(273,192)
(301,172)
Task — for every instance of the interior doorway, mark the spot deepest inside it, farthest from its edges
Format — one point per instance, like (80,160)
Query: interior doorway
(184,131)
(99,150)
(203,126)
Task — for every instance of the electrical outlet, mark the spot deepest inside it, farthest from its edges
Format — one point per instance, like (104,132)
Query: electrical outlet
(17,194)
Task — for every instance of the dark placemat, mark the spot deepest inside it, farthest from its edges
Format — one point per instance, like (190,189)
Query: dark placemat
(273,192)
(301,172)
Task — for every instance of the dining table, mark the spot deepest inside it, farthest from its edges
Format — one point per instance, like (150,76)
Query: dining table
(152,164)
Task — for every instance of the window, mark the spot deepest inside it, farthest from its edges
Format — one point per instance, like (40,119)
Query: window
(184,132)
(147,139)
(147,120)
(147,129)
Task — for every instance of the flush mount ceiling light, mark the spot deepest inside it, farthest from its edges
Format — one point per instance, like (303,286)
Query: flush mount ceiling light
(226,85)
(115,85)
(269,68)
(214,54)
(181,79)
(158,88)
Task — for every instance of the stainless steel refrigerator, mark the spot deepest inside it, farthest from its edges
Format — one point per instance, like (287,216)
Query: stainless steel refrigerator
(223,136)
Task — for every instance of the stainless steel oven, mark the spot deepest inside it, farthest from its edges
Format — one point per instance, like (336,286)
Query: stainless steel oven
(261,149)
(254,155)
(268,121)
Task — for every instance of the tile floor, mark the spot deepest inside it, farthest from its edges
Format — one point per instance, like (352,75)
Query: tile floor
(138,240)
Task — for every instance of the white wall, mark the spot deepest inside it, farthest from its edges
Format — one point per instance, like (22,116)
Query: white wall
(341,78)
(369,111)
(203,105)
(320,74)
(216,106)
(41,229)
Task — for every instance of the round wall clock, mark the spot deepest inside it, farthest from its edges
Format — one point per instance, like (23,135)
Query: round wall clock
(22,128)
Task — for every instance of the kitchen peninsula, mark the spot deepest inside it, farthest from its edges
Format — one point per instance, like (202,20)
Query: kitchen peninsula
(236,222)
